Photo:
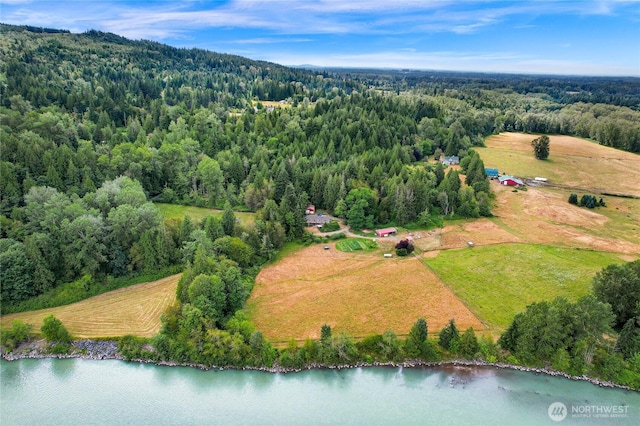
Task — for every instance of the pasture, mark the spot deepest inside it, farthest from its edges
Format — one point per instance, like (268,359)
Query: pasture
(356,293)
(133,310)
(498,281)
(176,211)
(572,161)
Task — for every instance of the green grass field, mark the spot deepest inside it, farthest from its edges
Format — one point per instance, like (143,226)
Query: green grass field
(176,211)
(498,281)
(356,244)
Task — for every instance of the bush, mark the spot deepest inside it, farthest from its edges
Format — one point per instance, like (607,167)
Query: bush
(573,199)
(589,201)
(53,330)
(338,236)
(19,333)
(404,248)
(132,347)
(330,226)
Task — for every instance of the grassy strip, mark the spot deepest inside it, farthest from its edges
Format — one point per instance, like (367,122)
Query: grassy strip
(496,282)
(356,244)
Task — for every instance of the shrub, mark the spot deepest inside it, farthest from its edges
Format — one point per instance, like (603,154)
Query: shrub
(338,236)
(404,248)
(53,330)
(330,226)
(19,333)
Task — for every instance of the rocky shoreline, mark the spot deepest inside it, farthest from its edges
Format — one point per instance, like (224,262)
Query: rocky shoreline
(108,349)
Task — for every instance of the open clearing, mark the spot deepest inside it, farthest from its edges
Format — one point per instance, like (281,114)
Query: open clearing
(572,161)
(176,211)
(536,247)
(360,293)
(498,281)
(133,310)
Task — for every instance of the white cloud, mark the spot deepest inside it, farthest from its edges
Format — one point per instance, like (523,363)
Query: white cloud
(163,19)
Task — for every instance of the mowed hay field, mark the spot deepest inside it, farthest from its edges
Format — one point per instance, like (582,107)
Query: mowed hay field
(572,161)
(133,310)
(357,293)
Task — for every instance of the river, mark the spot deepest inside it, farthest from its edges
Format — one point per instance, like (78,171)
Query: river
(82,392)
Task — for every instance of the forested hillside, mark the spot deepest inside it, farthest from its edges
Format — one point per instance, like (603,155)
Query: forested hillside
(94,126)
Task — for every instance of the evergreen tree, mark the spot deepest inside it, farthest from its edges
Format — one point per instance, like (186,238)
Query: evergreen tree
(628,342)
(186,228)
(449,337)
(468,346)
(228,219)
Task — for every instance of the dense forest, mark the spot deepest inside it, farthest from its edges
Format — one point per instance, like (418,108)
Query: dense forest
(95,128)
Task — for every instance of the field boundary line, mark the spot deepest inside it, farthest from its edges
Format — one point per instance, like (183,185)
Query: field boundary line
(426,265)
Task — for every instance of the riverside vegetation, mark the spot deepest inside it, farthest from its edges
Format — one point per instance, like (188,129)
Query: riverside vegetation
(94,127)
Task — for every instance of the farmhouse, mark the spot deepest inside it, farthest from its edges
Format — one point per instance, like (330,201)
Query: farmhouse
(510,181)
(385,232)
(450,161)
(311,209)
(318,219)
(491,173)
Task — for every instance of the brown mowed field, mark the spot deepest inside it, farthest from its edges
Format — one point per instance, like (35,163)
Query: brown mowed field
(479,231)
(543,216)
(360,294)
(133,310)
(572,161)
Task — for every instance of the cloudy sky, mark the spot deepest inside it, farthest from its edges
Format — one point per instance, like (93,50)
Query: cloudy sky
(538,36)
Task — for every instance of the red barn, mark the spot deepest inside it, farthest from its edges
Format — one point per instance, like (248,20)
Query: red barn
(385,232)
(510,181)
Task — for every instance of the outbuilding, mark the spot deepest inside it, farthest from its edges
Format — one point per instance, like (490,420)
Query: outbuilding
(311,209)
(491,173)
(385,232)
(451,160)
(510,181)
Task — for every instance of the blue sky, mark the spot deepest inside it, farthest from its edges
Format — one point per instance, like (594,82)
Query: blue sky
(539,37)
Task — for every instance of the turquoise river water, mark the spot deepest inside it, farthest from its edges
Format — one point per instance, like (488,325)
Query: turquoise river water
(81,392)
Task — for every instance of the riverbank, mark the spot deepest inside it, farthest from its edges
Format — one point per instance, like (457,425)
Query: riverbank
(108,349)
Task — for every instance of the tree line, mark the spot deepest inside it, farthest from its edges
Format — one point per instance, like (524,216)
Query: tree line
(598,335)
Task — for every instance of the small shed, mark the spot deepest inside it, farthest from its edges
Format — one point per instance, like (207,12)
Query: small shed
(491,173)
(311,209)
(510,181)
(385,232)
(451,161)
